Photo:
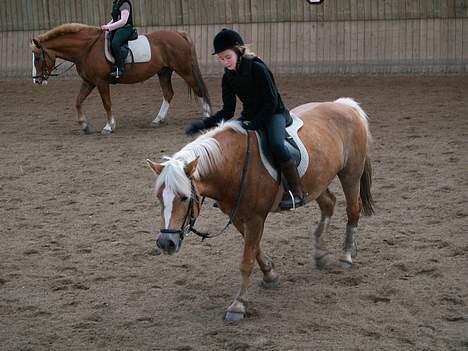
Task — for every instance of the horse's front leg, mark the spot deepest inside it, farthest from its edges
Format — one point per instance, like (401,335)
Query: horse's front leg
(104,91)
(85,90)
(253,231)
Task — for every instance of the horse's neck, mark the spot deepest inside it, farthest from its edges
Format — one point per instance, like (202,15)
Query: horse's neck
(222,184)
(71,47)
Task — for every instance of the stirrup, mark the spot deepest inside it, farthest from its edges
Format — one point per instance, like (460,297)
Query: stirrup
(116,74)
(294,204)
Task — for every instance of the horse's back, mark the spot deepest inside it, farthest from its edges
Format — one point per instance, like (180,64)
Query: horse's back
(169,37)
(333,132)
(342,116)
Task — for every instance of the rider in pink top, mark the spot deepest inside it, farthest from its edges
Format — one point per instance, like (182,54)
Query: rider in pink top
(121,28)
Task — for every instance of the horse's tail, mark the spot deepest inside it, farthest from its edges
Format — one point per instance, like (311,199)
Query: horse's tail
(196,69)
(365,189)
(366,177)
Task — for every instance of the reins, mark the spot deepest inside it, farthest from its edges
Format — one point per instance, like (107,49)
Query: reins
(190,219)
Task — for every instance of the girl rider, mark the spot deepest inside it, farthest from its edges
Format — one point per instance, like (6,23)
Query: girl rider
(248,78)
(121,28)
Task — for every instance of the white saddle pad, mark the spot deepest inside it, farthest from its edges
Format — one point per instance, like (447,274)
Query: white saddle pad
(293,130)
(140,48)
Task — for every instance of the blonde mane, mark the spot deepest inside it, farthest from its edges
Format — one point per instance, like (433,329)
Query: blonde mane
(208,151)
(64,29)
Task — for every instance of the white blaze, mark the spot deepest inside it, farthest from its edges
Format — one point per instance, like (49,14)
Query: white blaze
(168,199)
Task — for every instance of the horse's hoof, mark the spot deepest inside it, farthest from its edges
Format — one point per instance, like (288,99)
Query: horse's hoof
(87,128)
(271,280)
(233,316)
(322,262)
(158,124)
(106,132)
(273,284)
(345,264)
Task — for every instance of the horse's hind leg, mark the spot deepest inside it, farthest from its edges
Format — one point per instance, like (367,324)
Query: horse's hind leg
(104,91)
(351,187)
(165,76)
(270,277)
(85,90)
(192,83)
(326,202)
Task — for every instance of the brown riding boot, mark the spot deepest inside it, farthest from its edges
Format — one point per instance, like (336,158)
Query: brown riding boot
(295,197)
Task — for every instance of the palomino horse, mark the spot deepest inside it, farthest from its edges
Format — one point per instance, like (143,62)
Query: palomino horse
(336,136)
(84,46)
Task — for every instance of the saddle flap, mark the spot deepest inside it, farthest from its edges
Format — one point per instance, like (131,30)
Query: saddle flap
(294,145)
(289,143)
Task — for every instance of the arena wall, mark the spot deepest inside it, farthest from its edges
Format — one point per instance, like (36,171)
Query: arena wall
(337,37)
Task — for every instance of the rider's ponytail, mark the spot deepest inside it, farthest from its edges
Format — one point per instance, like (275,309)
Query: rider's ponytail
(244,50)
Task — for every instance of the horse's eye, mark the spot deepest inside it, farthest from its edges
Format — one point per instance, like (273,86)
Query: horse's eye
(183,198)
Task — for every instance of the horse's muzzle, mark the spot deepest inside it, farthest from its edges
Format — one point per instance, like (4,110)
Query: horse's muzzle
(39,81)
(170,243)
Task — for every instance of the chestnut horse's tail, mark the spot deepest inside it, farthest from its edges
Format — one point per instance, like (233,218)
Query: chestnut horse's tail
(196,68)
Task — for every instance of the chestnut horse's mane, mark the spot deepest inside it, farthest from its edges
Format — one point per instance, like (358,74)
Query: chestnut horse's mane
(64,29)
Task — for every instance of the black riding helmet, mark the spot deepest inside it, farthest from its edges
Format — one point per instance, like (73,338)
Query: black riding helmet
(226,39)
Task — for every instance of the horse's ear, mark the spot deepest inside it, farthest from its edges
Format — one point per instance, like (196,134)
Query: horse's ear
(191,167)
(34,44)
(156,167)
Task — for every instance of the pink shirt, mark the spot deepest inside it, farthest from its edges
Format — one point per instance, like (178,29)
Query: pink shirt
(124,15)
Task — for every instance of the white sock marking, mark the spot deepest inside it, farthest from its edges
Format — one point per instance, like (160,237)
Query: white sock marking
(205,107)
(33,69)
(163,111)
(110,126)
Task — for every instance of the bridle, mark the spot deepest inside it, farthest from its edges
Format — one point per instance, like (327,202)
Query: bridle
(45,73)
(195,204)
(190,218)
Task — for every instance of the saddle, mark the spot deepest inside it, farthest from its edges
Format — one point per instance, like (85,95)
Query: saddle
(289,143)
(292,142)
(138,50)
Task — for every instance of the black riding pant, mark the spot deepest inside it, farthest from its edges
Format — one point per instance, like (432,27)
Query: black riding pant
(118,38)
(276,135)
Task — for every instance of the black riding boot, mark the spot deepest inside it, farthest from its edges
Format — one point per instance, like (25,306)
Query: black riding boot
(295,197)
(119,67)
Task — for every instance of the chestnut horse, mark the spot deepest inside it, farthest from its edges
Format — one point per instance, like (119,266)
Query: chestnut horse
(336,136)
(84,46)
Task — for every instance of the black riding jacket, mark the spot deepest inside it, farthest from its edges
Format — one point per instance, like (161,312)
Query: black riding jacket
(255,86)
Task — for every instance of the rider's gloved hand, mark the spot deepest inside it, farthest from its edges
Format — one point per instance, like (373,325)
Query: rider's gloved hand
(195,127)
(249,125)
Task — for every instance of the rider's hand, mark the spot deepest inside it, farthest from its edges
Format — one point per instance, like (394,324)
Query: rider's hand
(195,127)
(249,125)
(104,27)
